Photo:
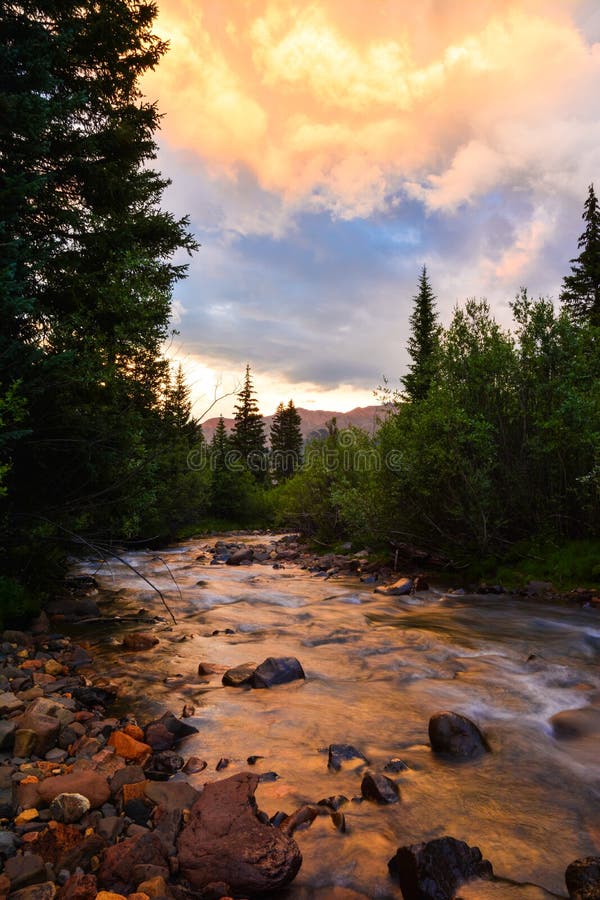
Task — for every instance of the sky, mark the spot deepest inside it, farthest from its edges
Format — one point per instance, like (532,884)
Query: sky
(325,150)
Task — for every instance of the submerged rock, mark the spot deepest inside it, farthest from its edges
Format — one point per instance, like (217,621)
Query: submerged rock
(139,640)
(239,675)
(277,670)
(583,878)
(224,841)
(434,870)
(340,753)
(379,788)
(455,735)
(246,554)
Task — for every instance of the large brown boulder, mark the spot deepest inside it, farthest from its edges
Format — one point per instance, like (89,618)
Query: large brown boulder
(455,735)
(225,841)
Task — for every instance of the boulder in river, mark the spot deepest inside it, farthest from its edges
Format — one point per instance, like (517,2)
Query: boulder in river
(239,675)
(379,788)
(398,589)
(277,670)
(583,878)
(434,870)
(225,841)
(246,554)
(455,735)
(340,753)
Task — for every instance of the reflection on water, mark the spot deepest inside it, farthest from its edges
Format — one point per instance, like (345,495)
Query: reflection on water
(377,668)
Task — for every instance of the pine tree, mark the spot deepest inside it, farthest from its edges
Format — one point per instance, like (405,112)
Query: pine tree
(423,341)
(286,440)
(248,436)
(581,290)
(219,447)
(86,271)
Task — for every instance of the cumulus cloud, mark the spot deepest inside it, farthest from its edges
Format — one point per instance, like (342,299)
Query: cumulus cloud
(325,149)
(337,105)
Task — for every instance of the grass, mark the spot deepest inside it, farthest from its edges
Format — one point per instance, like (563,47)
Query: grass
(574,563)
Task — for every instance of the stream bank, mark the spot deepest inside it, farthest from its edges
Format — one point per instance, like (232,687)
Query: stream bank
(377,668)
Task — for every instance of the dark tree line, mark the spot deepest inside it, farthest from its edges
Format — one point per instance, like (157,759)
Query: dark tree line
(93,429)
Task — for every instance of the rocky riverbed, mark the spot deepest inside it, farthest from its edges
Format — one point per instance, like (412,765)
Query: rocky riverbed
(327,731)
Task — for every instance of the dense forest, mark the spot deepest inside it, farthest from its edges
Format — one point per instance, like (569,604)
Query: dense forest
(491,439)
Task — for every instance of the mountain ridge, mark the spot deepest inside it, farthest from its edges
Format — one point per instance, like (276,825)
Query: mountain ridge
(312,420)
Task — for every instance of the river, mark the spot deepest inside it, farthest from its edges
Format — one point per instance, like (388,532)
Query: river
(377,668)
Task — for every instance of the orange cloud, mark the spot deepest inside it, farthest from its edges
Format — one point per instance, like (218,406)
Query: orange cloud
(336,103)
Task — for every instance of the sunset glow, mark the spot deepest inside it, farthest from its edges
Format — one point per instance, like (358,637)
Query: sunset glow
(412,119)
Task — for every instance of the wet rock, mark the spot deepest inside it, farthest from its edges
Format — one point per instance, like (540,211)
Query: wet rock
(188,711)
(395,765)
(252,760)
(9,703)
(576,723)
(583,878)
(9,844)
(35,733)
(127,775)
(110,827)
(222,764)
(246,554)
(194,764)
(89,783)
(57,841)
(168,826)
(171,794)
(84,854)
(225,841)
(340,753)
(79,887)
(398,589)
(165,761)
(306,815)
(154,887)
(139,640)
(277,670)
(138,810)
(174,726)
(267,777)
(69,808)
(25,870)
(434,870)
(379,788)
(239,675)
(94,697)
(128,748)
(44,891)
(120,860)
(7,734)
(455,735)
(159,737)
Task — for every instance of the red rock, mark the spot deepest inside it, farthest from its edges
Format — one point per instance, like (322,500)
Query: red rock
(129,748)
(79,887)
(159,737)
(84,781)
(116,871)
(56,840)
(225,841)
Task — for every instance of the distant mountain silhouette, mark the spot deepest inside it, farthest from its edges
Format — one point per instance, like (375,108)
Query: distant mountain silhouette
(313,420)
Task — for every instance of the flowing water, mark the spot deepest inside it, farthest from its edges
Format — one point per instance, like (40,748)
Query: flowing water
(377,668)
